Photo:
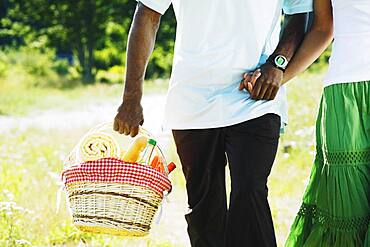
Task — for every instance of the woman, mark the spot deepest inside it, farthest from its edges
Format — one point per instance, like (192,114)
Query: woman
(336,205)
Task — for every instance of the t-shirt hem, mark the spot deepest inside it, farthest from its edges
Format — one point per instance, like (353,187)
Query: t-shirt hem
(298,9)
(154,6)
(222,124)
(341,80)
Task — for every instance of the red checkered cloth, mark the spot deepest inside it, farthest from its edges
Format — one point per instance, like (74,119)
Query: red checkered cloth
(111,170)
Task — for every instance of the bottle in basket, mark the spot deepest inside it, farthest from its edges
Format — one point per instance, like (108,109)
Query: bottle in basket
(157,164)
(171,166)
(133,153)
(148,152)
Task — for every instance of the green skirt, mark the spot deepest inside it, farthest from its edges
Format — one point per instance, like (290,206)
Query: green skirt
(336,205)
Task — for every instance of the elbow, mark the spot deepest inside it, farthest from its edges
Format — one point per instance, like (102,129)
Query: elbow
(148,16)
(326,30)
(329,32)
(328,35)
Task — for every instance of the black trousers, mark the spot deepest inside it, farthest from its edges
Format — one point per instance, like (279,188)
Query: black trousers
(250,148)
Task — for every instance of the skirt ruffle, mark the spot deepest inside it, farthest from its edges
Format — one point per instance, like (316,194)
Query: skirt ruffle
(317,225)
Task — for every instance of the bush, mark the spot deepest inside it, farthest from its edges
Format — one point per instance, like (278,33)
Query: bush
(61,67)
(108,57)
(3,65)
(160,65)
(31,67)
(115,74)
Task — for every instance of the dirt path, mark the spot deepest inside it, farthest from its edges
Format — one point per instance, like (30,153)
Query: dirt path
(84,116)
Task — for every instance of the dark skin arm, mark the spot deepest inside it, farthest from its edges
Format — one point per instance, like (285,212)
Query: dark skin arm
(141,43)
(268,79)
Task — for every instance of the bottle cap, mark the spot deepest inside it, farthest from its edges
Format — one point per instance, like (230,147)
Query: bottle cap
(171,166)
(152,142)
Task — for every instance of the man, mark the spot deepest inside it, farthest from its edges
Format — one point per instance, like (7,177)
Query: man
(212,121)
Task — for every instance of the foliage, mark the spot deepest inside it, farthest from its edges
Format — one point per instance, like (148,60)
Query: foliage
(11,219)
(32,67)
(92,33)
(112,75)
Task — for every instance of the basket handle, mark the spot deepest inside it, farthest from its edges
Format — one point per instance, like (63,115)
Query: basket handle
(110,124)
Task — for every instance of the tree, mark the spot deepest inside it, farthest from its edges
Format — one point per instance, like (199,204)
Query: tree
(80,27)
(84,23)
(76,25)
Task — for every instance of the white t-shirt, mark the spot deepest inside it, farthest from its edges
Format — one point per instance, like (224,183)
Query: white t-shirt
(216,42)
(350,59)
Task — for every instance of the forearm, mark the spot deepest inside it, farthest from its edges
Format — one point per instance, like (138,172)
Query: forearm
(271,75)
(140,46)
(315,42)
(292,35)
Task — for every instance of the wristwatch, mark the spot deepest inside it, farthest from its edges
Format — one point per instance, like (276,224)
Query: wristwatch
(279,61)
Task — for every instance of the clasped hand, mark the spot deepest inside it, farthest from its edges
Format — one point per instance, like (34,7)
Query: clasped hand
(263,83)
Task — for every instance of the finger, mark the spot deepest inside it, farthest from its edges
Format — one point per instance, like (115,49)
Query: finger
(263,89)
(257,89)
(115,124)
(126,129)
(134,131)
(241,85)
(261,95)
(256,74)
(250,87)
(121,129)
(267,94)
(245,85)
(249,76)
(274,93)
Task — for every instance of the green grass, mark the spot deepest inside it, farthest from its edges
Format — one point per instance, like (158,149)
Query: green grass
(31,161)
(292,167)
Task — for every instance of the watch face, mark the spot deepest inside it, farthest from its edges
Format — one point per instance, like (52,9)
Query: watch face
(280,61)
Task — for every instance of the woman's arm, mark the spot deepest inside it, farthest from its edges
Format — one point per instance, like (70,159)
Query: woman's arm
(316,40)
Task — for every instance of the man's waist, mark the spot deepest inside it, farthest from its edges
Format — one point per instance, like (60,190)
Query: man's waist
(215,78)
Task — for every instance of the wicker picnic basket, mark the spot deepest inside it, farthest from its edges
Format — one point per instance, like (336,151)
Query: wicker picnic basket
(108,195)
